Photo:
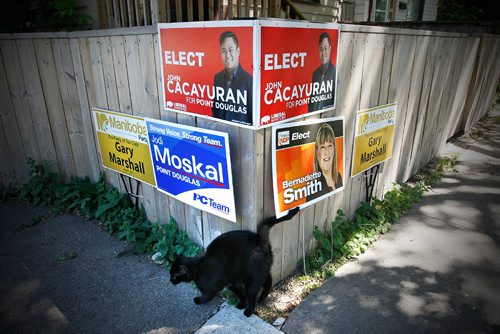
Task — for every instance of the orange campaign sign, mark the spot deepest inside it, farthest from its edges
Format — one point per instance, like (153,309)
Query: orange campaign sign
(308,162)
(208,69)
(298,69)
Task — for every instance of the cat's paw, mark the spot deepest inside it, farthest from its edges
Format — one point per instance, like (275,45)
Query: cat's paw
(197,300)
(241,306)
(247,313)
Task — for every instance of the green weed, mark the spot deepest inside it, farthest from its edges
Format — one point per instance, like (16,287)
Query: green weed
(103,202)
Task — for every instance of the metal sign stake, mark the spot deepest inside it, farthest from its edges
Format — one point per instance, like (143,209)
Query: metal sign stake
(371,178)
(132,195)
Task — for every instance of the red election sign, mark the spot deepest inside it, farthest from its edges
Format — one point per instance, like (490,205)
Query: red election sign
(208,69)
(298,69)
(249,73)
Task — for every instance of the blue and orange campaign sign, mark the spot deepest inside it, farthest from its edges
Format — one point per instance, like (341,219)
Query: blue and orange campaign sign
(193,165)
(308,162)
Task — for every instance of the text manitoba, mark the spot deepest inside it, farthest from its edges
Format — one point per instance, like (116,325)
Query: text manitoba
(125,125)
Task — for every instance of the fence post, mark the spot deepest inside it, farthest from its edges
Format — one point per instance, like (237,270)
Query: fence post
(155,13)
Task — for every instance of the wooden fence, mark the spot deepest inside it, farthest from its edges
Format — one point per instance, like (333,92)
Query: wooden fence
(131,13)
(443,83)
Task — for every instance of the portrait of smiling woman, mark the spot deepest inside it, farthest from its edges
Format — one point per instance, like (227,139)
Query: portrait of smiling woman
(325,161)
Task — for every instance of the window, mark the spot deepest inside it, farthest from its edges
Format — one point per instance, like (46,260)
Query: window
(384,10)
(413,10)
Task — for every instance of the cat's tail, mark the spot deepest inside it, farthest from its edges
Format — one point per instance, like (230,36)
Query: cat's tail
(265,226)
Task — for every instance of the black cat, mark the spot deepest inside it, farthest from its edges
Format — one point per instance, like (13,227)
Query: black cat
(239,260)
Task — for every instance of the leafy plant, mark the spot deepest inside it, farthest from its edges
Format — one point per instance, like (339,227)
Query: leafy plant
(66,256)
(42,15)
(39,188)
(347,239)
(104,202)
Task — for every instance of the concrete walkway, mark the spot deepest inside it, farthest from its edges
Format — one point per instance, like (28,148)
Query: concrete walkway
(61,275)
(437,271)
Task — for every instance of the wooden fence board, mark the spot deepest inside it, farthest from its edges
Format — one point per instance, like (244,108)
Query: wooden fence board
(449,85)
(248,177)
(457,56)
(96,75)
(305,230)
(424,103)
(479,109)
(88,125)
(386,70)
(71,106)
(372,70)
(108,73)
(356,186)
(475,87)
(259,164)
(467,67)
(435,96)
(7,173)
(238,177)
(485,97)
(53,102)
(235,151)
(440,112)
(19,99)
(407,159)
(493,74)
(36,101)
(399,90)
(87,95)
(17,172)
(494,77)
(290,241)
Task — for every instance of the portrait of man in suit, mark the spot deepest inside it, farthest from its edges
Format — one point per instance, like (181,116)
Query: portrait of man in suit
(233,85)
(323,76)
